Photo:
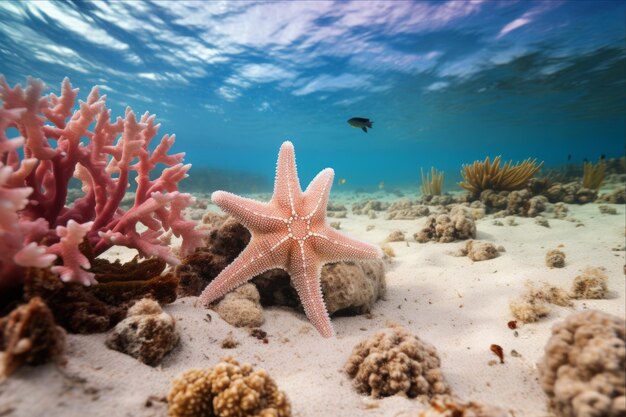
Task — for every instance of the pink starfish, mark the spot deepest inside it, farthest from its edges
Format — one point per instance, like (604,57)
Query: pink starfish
(289,232)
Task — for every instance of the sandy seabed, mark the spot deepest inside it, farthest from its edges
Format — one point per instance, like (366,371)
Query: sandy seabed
(459,306)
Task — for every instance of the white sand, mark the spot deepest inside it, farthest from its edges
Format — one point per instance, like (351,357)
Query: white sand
(459,306)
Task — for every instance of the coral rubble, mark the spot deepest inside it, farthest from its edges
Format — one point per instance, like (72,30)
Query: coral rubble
(583,370)
(555,258)
(591,284)
(478,251)
(535,302)
(227,390)
(29,335)
(394,361)
(443,228)
(396,236)
(147,334)
(405,209)
(448,406)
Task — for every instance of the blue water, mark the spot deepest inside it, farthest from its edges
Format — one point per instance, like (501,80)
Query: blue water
(444,82)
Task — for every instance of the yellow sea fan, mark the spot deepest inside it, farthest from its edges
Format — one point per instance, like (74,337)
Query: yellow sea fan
(489,175)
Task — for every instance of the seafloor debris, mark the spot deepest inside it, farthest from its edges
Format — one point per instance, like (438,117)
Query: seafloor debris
(369,206)
(591,284)
(555,258)
(478,251)
(449,406)
(229,342)
(147,334)
(394,361)
(583,370)
(241,307)
(388,251)
(405,209)
(227,390)
(443,228)
(259,334)
(396,236)
(498,351)
(604,209)
(29,335)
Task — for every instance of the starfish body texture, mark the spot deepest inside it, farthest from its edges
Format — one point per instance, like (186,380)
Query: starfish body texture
(290,233)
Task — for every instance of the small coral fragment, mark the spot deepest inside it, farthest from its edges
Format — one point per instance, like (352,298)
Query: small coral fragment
(28,335)
(394,361)
(396,236)
(147,334)
(388,251)
(478,251)
(555,258)
(227,390)
(604,209)
(443,228)
(241,307)
(528,309)
(534,303)
(447,406)
(583,370)
(591,284)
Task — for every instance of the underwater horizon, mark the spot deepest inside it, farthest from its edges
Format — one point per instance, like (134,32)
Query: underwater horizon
(445,83)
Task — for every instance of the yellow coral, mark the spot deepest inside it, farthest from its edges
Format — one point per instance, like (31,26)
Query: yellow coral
(395,361)
(593,175)
(227,390)
(190,395)
(486,175)
(432,183)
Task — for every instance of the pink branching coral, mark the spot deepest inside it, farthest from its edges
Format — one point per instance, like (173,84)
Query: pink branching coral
(37,224)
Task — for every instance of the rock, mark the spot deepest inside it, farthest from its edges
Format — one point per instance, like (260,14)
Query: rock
(29,335)
(147,334)
(348,287)
(241,307)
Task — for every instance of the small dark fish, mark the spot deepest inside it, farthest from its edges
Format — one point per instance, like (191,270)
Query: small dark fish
(603,157)
(585,160)
(569,157)
(360,123)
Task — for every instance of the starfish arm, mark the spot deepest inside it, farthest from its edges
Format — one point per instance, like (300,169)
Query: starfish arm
(254,215)
(316,195)
(258,257)
(287,191)
(305,271)
(333,246)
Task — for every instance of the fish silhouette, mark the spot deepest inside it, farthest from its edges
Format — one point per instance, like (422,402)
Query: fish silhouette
(360,123)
